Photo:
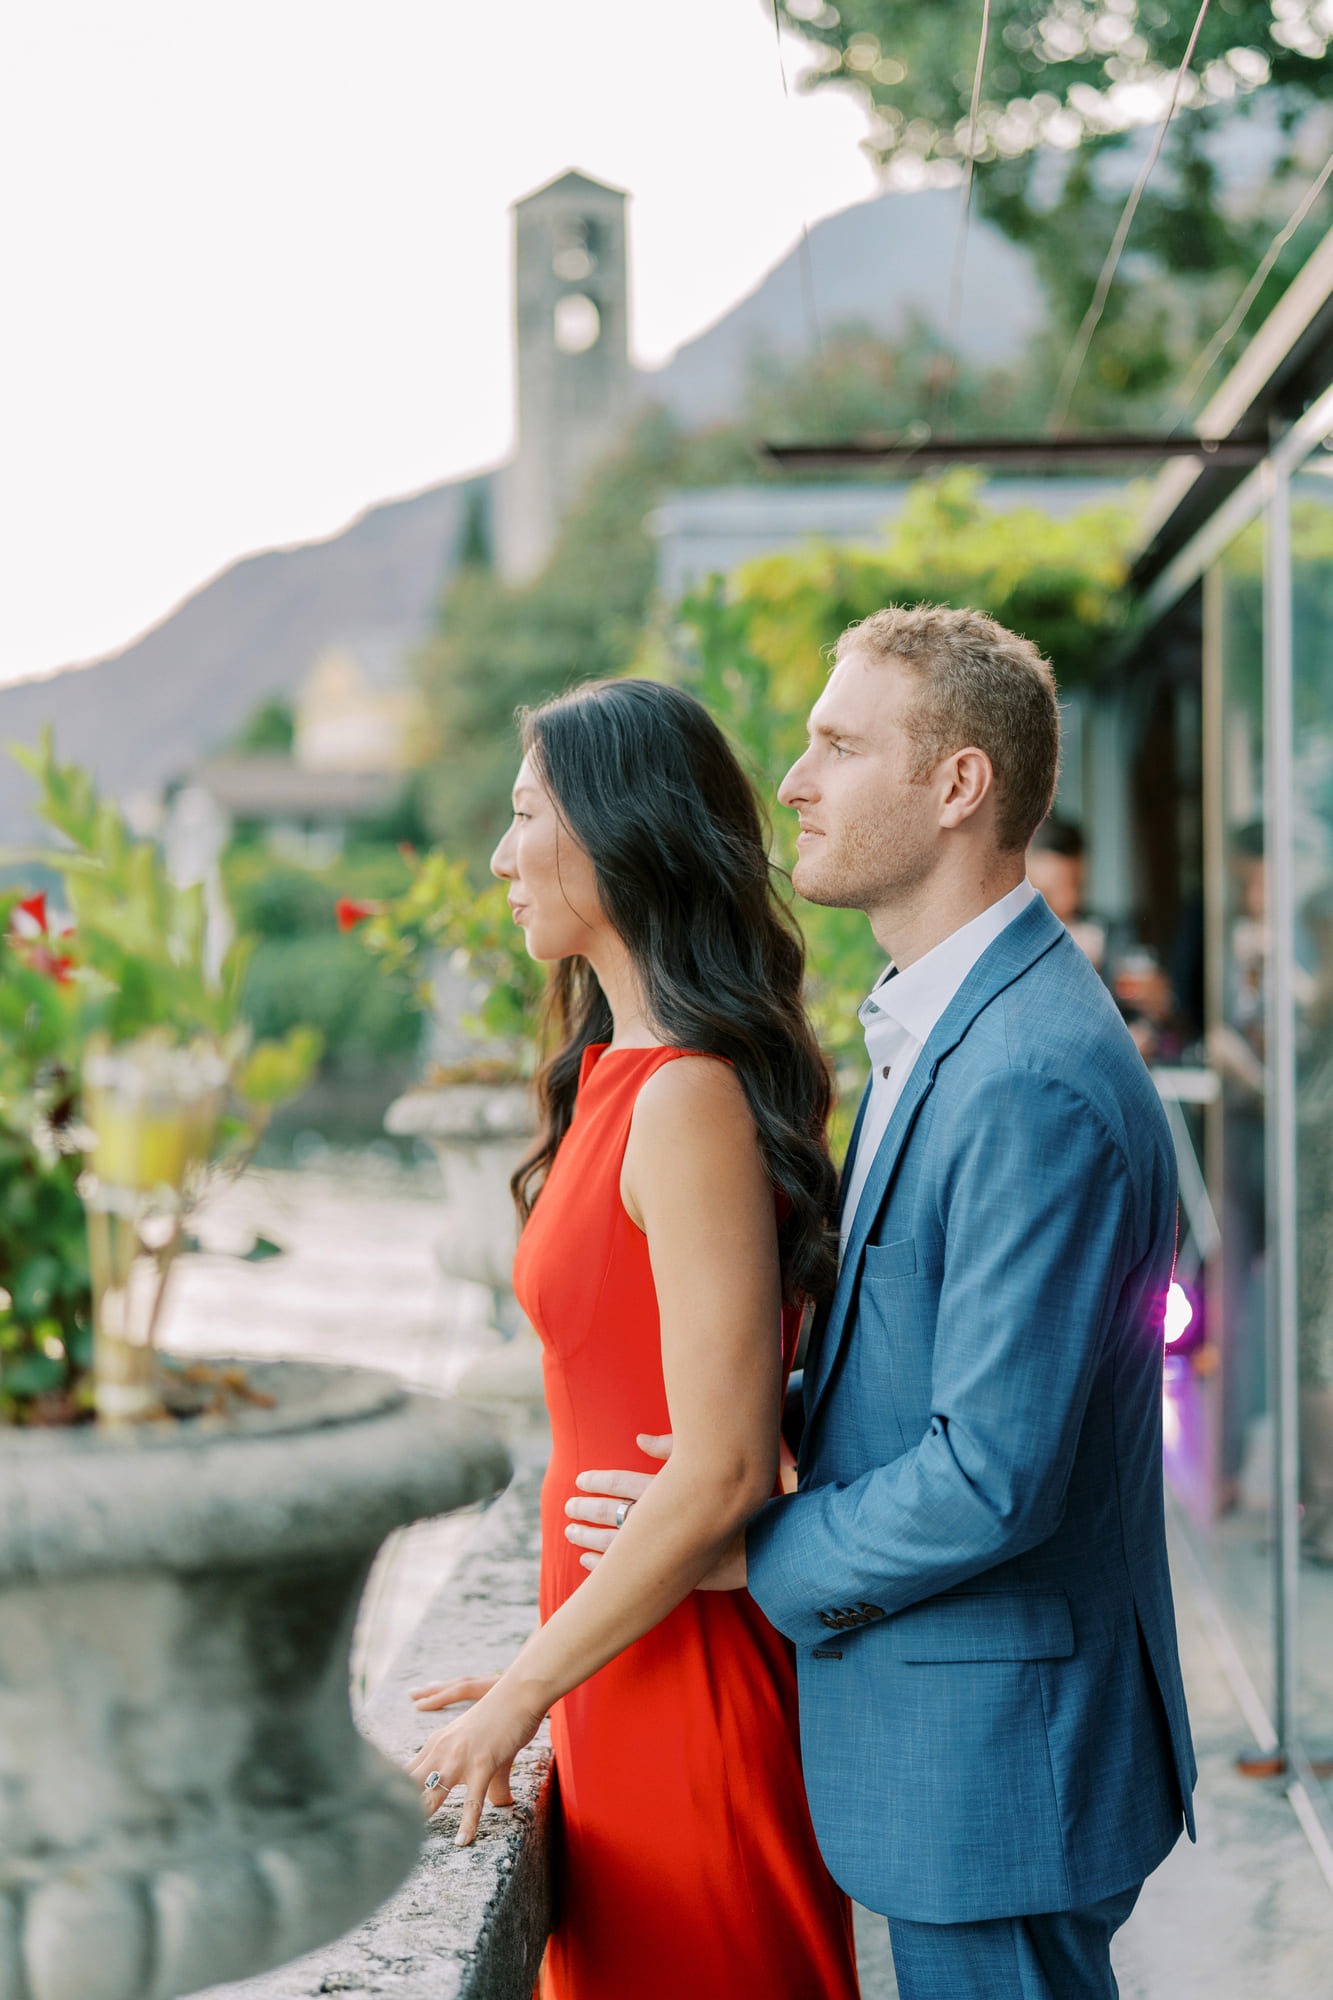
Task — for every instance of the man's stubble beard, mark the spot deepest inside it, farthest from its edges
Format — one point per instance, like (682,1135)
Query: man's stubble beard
(874,865)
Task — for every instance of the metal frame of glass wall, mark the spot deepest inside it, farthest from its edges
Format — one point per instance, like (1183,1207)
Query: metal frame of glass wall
(1283,1678)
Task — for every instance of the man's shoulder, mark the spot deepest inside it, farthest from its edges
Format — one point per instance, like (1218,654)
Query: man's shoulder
(1055,1027)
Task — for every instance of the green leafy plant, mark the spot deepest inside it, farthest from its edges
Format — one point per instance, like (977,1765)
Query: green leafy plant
(441,914)
(133,958)
(756,650)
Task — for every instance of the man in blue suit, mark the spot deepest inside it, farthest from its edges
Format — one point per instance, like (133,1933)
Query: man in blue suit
(973,1567)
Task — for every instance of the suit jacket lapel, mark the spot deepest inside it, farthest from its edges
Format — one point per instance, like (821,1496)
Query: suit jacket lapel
(819,1326)
(1029,937)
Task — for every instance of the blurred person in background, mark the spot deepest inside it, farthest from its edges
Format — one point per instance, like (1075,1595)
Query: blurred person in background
(1056,866)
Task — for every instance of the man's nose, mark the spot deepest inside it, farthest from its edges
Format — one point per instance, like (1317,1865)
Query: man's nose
(796,789)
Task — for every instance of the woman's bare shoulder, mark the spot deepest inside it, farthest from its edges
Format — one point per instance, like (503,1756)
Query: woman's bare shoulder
(695,1097)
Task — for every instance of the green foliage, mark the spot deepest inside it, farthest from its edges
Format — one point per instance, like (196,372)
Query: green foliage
(269,731)
(440,913)
(499,648)
(301,971)
(859,385)
(756,653)
(133,960)
(1076,81)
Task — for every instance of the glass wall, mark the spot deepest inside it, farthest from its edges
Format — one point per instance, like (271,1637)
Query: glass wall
(1228,1389)
(1311,759)
(1249,1413)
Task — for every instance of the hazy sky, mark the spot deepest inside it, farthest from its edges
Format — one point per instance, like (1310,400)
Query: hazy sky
(257,255)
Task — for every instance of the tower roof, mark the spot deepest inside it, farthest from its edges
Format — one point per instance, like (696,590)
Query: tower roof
(571,182)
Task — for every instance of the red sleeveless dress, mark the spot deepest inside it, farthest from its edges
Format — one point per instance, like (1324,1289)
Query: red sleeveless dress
(685,1859)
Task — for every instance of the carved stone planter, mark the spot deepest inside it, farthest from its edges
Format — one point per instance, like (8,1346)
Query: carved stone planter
(480,1132)
(183,1796)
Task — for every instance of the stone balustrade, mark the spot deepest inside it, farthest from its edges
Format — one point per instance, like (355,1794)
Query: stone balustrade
(469,1923)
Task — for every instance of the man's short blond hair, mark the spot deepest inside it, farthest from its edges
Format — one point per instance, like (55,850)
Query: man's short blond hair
(980,687)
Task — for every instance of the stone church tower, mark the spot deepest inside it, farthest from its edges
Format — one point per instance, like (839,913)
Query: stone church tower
(574,379)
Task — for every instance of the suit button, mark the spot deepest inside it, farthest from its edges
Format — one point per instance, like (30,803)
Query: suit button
(829,1618)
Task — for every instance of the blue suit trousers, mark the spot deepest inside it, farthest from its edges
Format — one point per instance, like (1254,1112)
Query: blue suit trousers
(1066,1956)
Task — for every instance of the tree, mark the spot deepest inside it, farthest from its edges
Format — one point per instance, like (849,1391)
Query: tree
(500,647)
(756,653)
(1067,85)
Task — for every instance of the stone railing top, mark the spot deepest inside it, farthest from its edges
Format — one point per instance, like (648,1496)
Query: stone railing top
(469,1923)
(463,1111)
(354,1456)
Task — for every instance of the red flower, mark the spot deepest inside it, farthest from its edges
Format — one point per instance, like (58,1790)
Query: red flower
(55,965)
(351,914)
(35,907)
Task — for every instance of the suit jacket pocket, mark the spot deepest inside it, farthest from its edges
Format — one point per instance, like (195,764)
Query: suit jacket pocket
(890,1260)
(975,1626)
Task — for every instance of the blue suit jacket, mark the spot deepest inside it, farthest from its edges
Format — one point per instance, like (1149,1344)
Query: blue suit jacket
(973,1568)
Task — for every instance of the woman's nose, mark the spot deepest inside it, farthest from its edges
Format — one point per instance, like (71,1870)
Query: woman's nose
(501,863)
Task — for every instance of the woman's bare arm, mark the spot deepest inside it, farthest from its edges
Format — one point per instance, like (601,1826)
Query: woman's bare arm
(695,1181)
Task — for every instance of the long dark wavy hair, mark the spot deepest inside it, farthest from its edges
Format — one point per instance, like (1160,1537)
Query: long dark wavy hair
(646,783)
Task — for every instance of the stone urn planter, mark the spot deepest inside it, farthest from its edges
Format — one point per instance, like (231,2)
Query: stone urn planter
(183,1796)
(479,1133)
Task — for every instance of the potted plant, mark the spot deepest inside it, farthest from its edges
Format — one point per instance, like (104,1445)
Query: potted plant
(446,944)
(183,1797)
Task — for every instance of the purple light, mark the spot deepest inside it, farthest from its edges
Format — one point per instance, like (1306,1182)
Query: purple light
(1177,1315)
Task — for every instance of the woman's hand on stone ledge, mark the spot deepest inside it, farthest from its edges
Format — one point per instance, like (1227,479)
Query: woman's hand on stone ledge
(447,1694)
(478,1750)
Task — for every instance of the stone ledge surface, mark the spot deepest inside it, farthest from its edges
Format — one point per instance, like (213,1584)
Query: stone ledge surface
(469,1923)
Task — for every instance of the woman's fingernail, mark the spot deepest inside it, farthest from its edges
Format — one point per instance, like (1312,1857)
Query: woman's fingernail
(582,1481)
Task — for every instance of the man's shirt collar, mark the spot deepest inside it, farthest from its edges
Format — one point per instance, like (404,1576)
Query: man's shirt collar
(916,997)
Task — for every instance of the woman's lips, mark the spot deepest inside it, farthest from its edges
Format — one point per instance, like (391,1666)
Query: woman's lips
(516,911)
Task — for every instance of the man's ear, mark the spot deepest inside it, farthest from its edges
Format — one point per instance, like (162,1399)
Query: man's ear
(967,782)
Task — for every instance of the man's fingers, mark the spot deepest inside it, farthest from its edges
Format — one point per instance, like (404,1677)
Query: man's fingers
(654,1447)
(590,1538)
(620,1485)
(601,1513)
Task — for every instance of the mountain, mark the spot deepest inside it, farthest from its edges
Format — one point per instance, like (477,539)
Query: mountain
(879,264)
(141,718)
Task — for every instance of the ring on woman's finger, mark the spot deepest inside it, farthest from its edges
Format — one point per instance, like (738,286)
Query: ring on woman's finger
(432,1781)
(622,1512)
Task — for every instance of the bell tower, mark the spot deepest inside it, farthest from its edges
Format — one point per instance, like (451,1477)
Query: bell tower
(572,341)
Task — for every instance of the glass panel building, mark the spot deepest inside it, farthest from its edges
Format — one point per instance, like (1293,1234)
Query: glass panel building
(1237,577)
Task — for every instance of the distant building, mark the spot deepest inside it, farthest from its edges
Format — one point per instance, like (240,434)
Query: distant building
(356,734)
(575,386)
(710,531)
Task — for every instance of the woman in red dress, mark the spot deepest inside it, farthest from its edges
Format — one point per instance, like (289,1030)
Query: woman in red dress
(676,1220)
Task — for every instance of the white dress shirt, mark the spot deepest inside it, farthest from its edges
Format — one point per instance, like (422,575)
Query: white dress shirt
(898,1017)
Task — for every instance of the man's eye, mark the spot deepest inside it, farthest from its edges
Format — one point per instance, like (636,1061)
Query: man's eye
(840,749)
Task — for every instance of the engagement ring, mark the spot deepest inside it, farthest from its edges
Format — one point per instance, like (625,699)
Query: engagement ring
(433,1780)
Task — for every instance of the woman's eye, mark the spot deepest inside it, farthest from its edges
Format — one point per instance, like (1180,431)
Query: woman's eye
(520,816)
